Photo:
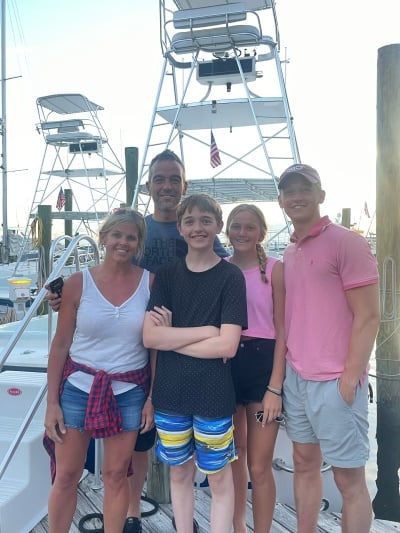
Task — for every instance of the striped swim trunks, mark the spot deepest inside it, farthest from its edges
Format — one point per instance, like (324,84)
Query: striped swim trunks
(180,437)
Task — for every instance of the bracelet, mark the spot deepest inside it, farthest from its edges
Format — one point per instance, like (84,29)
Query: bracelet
(149,398)
(278,392)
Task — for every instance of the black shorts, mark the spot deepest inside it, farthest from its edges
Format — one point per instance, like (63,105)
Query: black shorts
(145,441)
(251,369)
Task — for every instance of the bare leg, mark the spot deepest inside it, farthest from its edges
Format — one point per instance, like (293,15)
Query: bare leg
(182,495)
(357,510)
(239,470)
(222,500)
(260,443)
(140,462)
(70,458)
(307,485)
(117,454)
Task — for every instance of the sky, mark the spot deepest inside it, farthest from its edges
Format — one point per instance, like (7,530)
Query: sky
(109,52)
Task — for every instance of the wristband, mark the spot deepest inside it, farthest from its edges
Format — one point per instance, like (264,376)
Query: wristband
(278,392)
(149,398)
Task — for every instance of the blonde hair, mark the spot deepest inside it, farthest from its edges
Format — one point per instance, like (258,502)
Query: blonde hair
(256,211)
(126,214)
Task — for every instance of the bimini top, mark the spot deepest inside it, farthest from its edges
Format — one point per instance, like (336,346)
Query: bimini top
(252,5)
(64,104)
(232,190)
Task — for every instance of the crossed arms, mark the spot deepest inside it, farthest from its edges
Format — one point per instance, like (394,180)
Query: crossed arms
(204,342)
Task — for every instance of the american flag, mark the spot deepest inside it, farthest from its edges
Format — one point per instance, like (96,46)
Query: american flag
(60,199)
(215,159)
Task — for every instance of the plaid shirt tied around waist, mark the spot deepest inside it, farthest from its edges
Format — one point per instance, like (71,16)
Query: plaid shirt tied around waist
(103,417)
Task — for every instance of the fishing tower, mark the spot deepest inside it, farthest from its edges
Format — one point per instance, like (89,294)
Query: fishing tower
(222,74)
(80,175)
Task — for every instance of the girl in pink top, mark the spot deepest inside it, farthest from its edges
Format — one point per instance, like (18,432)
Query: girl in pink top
(258,367)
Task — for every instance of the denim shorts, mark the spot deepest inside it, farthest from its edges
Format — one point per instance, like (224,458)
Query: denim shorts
(74,401)
(209,440)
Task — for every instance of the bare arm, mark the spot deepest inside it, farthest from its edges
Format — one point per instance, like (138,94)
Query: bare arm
(148,410)
(272,403)
(364,303)
(160,336)
(59,350)
(222,346)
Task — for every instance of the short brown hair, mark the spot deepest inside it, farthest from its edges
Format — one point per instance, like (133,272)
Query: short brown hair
(204,202)
(167,155)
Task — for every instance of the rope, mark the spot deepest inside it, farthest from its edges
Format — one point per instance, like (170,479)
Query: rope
(98,517)
(37,232)
(88,518)
(152,502)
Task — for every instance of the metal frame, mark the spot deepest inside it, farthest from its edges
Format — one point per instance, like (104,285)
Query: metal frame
(250,118)
(77,156)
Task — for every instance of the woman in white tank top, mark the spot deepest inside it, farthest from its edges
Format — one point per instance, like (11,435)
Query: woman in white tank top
(98,354)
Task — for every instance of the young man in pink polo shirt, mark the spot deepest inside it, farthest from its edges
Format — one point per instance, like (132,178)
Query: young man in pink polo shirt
(331,319)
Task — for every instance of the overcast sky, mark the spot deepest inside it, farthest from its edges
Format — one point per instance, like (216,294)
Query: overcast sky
(109,51)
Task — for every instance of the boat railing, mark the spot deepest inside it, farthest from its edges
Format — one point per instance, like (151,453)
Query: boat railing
(72,248)
(213,29)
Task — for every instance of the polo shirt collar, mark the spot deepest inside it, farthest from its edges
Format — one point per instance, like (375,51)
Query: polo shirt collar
(314,231)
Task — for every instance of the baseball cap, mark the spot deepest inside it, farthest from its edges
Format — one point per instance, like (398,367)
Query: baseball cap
(303,170)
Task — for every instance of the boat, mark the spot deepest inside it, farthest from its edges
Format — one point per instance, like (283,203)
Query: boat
(211,45)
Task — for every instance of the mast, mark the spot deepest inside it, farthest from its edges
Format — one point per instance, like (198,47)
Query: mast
(4,253)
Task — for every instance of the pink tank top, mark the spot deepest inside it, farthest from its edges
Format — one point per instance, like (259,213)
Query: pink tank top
(259,302)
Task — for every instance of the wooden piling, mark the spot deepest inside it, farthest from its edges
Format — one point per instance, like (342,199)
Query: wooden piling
(387,500)
(346,217)
(132,171)
(68,207)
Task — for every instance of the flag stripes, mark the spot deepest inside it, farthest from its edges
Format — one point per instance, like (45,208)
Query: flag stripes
(60,199)
(215,158)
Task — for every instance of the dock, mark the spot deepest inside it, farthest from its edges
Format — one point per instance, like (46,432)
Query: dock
(90,501)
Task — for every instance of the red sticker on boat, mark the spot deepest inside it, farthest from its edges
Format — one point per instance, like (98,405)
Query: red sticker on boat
(14,391)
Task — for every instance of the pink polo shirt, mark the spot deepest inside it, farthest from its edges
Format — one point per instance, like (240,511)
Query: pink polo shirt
(318,269)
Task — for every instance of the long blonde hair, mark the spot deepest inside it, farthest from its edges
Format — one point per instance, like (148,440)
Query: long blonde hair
(256,211)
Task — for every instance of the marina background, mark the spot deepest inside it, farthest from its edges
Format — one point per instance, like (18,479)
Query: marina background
(111,54)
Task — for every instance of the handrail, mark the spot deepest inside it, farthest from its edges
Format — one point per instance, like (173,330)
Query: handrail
(39,298)
(72,248)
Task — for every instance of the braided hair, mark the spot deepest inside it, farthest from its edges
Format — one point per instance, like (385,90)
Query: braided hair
(256,211)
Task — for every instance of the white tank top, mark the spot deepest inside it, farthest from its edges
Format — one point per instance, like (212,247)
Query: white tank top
(107,337)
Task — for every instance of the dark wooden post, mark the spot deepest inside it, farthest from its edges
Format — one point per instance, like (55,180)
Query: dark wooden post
(346,217)
(158,473)
(68,207)
(386,503)
(44,236)
(44,215)
(131,169)
(158,479)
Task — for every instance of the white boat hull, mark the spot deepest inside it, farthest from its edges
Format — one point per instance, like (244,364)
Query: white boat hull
(25,485)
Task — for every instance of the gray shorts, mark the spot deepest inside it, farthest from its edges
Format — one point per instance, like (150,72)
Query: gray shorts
(315,412)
